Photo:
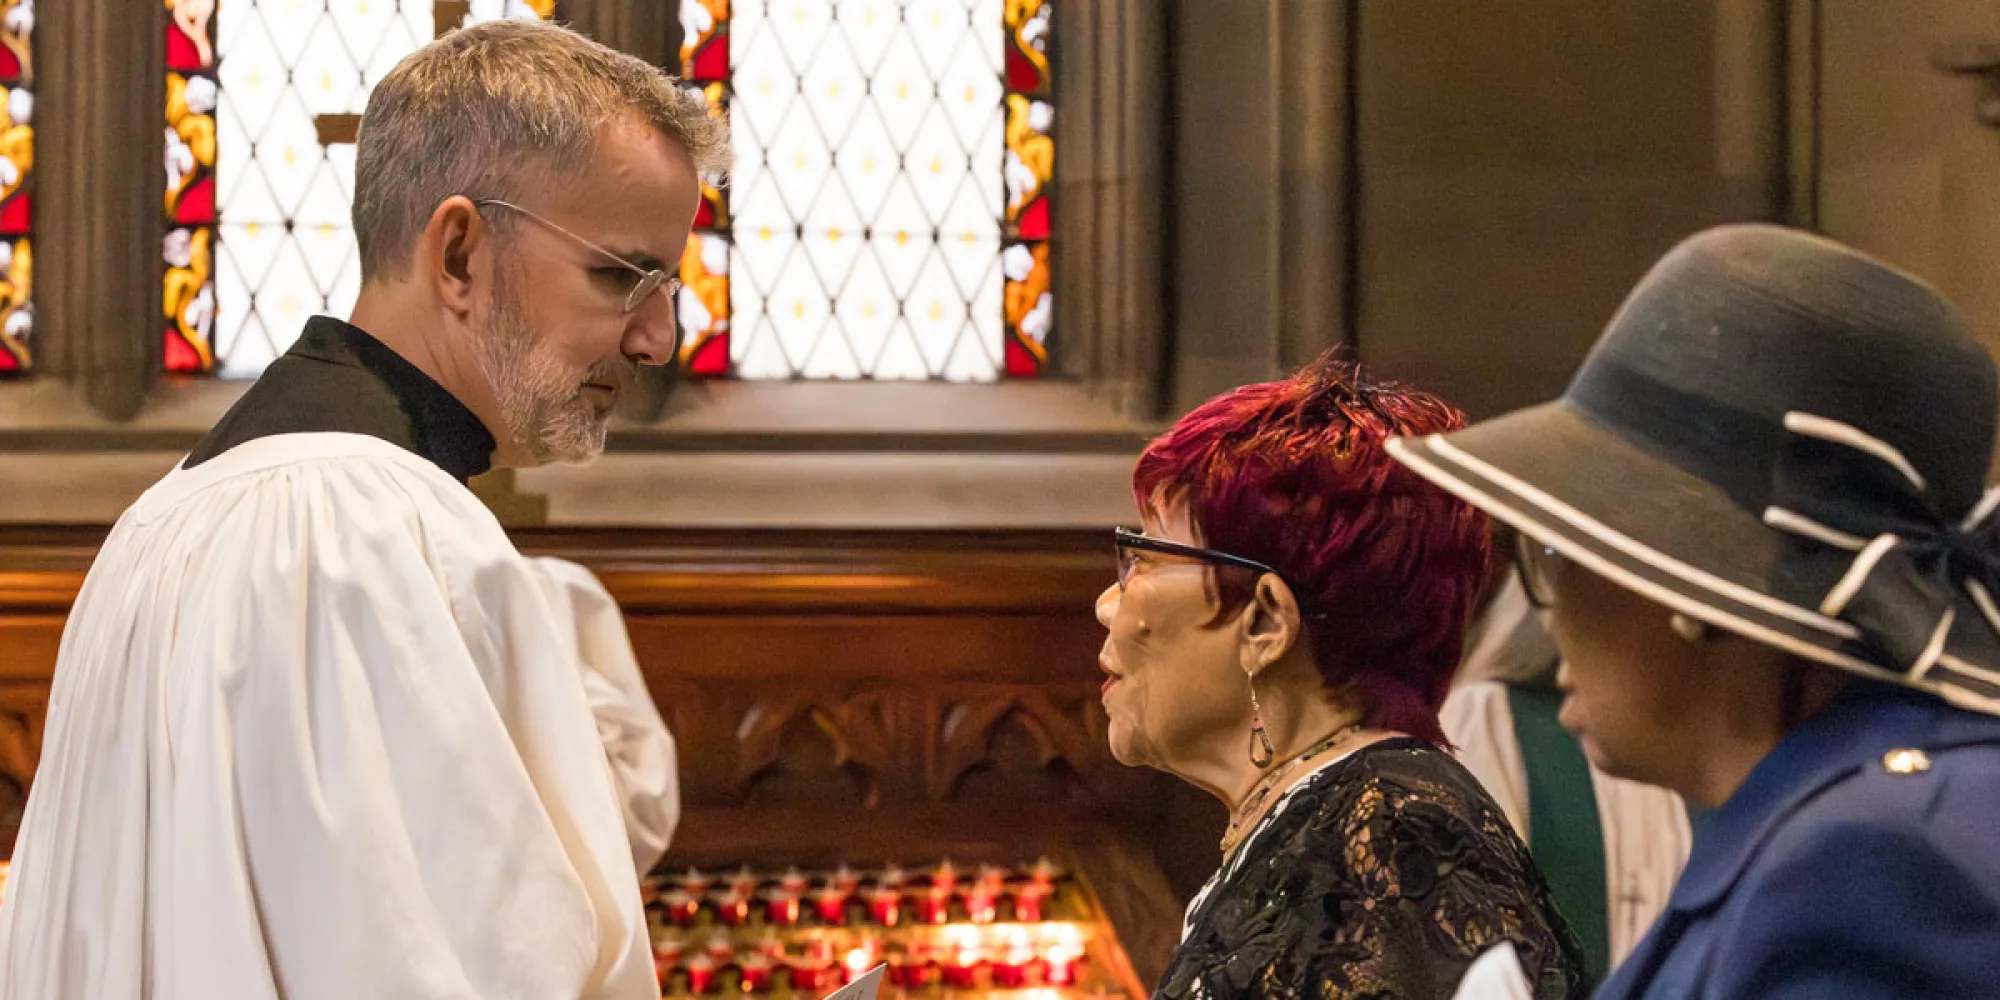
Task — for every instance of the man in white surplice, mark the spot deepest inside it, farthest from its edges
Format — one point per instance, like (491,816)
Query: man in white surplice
(317,729)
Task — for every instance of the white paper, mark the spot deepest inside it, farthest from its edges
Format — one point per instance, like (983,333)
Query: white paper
(862,988)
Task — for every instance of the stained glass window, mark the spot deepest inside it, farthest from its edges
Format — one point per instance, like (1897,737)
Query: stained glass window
(263,98)
(888,215)
(17,166)
(189,300)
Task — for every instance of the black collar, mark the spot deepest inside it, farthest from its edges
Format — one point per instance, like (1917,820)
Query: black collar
(338,378)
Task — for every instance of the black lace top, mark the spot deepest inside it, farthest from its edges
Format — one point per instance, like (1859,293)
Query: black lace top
(1384,875)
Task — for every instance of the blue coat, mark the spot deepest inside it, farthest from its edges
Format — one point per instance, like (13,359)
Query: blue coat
(1840,869)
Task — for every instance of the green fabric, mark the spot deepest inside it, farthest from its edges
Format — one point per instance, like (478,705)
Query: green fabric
(1565,836)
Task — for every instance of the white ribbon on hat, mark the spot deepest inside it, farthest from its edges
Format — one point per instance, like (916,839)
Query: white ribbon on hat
(1869,553)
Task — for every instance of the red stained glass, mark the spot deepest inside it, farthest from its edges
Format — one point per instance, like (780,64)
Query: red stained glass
(197,206)
(1035,220)
(189,184)
(711,63)
(712,357)
(1022,76)
(182,54)
(180,356)
(16,215)
(1020,363)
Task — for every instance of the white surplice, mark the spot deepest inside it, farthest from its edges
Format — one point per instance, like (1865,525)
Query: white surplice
(643,759)
(317,731)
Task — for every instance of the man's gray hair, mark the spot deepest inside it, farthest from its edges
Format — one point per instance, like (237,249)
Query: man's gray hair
(492,111)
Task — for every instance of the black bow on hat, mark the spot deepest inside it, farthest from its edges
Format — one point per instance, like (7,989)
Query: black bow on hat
(1917,584)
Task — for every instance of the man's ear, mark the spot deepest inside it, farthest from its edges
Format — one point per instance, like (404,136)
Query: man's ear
(448,252)
(1268,626)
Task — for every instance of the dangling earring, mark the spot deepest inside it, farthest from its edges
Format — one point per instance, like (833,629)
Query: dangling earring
(1689,629)
(1261,750)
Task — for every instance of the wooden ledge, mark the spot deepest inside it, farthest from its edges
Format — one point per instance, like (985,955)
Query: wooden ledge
(43,415)
(711,571)
(855,455)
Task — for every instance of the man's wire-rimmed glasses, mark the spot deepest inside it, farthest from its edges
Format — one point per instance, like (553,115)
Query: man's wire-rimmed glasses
(646,281)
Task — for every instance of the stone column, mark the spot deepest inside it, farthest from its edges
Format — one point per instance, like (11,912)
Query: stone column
(1113,98)
(100,190)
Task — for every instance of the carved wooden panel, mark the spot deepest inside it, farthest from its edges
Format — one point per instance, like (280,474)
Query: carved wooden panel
(881,746)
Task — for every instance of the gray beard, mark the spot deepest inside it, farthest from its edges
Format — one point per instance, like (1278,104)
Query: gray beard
(540,399)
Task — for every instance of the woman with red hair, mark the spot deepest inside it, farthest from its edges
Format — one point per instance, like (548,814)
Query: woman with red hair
(1282,634)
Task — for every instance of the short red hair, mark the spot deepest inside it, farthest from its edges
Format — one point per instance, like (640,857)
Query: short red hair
(1294,475)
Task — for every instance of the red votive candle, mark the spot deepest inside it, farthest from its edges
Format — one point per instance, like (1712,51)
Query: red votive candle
(1028,903)
(701,975)
(934,907)
(1012,956)
(961,971)
(1011,974)
(783,909)
(756,973)
(831,905)
(681,906)
(886,907)
(734,909)
(809,974)
(981,908)
(911,975)
(1062,966)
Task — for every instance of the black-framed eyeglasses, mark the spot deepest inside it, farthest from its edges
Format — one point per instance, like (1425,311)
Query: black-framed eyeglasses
(645,281)
(1536,564)
(1125,541)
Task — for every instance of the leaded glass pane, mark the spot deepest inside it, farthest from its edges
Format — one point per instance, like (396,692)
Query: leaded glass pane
(892,159)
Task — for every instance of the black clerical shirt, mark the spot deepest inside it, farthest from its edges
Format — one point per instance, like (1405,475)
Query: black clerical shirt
(338,378)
